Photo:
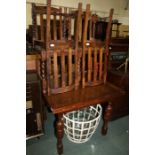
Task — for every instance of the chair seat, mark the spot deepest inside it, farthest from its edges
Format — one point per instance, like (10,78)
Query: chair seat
(76,99)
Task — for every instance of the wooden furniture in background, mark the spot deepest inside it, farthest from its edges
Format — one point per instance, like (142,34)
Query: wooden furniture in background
(32,61)
(35,114)
(121,103)
(34,106)
(119,52)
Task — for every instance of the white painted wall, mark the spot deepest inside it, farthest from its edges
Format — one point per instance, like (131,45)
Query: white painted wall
(98,5)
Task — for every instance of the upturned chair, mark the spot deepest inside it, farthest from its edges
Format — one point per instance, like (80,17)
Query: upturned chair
(95,52)
(61,27)
(61,59)
(39,23)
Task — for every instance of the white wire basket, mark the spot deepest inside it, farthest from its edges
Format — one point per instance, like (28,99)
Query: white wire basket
(80,125)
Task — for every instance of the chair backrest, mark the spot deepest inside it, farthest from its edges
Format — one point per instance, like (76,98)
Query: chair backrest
(66,66)
(39,23)
(61,23)
(58,32)
(60,70)
(60,62)
(94,53)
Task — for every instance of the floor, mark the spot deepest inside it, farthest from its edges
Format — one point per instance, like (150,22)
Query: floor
(116,142)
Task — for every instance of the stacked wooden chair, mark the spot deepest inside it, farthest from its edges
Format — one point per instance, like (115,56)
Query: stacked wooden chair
(94,52)
(60,24)
(61,59)
(74,67)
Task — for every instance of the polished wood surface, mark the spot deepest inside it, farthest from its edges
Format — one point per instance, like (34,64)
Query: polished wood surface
(119,44)
(72,100)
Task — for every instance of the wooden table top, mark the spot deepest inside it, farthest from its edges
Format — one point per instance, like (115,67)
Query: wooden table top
(76,99)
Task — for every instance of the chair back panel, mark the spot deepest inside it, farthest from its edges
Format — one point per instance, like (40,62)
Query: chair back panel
(94,52)
(61,70)
(39,21)
(63,23)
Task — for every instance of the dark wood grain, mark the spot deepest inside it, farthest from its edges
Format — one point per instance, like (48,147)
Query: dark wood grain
(106,118)
(95,69)
(80,98)
(100,63)
(63,69)
(59,127)
(55,68)
(89,64)
(70,66)
(106,56)
(84,38)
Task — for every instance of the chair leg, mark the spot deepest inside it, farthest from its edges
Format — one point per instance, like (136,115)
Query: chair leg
(106,118)
(59,132)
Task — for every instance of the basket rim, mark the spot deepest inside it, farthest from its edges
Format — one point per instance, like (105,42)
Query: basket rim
(89,131)
(64,115)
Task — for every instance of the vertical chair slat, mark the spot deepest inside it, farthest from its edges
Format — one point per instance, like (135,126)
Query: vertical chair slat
(80,29)
(48,19)
(48,38)
(90,29)
(55,68)
(70,66)
(100,63)
(54,28)
(89,64)
(77,29)
(77,60)
(60,26)
(64,23)
(94,27)
(48,72)
(69,28)
(95,65)
(108,32)
(63,82)
(105,67)
(84,38)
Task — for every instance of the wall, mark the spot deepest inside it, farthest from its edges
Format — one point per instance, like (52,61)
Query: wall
(98,5)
